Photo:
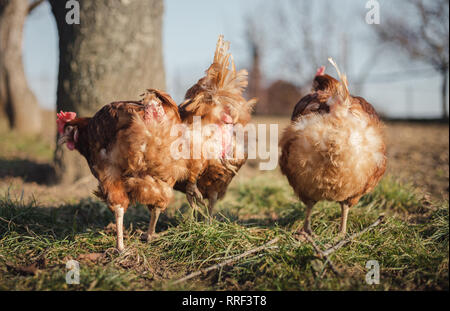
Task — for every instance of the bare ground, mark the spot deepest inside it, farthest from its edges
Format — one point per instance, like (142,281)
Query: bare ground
(419,154)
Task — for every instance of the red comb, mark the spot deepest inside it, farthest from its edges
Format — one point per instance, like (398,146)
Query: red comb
(320,71)
(63,118)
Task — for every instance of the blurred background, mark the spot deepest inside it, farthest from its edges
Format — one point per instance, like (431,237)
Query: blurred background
(395,54)
(393,65)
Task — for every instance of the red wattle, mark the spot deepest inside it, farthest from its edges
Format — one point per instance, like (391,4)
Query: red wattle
(70,145)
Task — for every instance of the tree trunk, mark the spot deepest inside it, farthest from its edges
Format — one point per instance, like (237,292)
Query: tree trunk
(114,53)
(255,87)
(18,105)
(444,94)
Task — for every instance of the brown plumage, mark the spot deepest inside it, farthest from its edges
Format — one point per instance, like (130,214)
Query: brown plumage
(126,145)
(218,99)
(334,147)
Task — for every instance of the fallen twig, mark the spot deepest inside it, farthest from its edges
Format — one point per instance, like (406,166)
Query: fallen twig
(326,253)
(227,262)
(320,253)
(228,257)
(341,243)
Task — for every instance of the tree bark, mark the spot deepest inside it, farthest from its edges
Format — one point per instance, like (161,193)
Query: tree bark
(444,97)
(19,108)
(115,53)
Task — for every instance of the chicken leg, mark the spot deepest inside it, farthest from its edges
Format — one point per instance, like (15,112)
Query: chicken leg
(154,215)
(193,194)
(119,212)
(344,208)
(212,199)
(307,223)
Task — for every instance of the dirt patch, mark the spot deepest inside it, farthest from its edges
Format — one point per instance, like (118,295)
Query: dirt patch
(419,153)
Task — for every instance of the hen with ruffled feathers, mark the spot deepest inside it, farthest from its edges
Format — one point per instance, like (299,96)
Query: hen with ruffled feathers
(126,146)
(334,147)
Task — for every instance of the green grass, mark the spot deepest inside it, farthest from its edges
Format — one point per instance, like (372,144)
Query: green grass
(411,246)
(15,145)
(25,156)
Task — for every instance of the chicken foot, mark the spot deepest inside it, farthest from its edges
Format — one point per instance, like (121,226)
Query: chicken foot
(307,223)
(194,197)
(193,192)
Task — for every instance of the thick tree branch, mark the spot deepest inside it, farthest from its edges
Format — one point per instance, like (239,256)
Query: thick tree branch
(34,5)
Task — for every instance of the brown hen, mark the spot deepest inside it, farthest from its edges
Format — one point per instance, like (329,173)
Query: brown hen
(216,99)
(334,147)
(126,145)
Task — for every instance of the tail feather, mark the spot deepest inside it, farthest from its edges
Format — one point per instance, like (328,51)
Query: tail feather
(343,92)
(221,76)
(223,84)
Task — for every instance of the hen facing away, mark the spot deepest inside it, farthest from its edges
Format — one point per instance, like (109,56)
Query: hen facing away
(334,147)
(217,98)
(126,145)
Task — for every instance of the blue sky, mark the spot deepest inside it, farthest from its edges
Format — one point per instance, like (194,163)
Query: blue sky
(190,34)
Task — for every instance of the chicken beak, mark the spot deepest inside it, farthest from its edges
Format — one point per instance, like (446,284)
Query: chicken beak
(62,139)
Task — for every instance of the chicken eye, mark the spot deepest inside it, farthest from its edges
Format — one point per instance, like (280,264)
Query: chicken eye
(68,129)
